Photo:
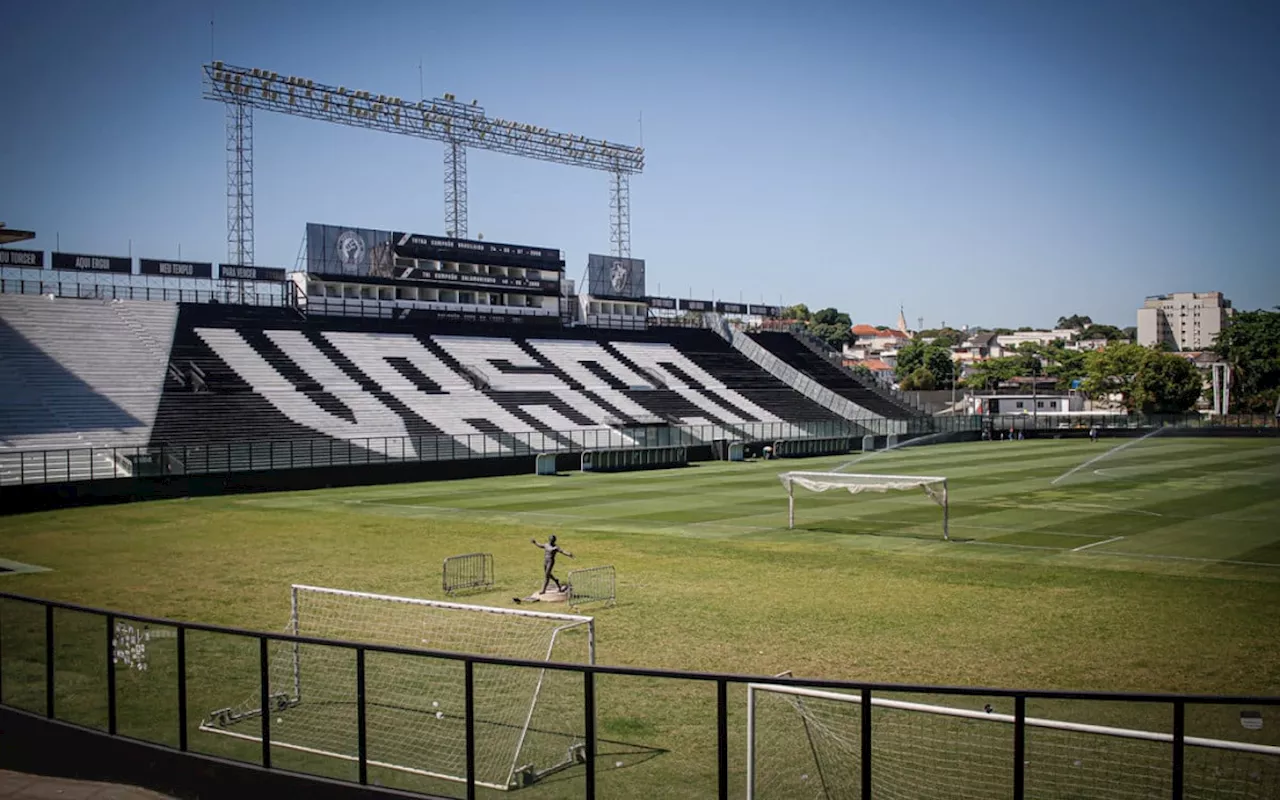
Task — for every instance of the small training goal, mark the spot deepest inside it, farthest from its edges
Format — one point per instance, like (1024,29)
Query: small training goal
(527,720)
(856,483)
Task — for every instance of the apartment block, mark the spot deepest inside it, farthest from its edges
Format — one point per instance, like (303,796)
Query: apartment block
(1184,321)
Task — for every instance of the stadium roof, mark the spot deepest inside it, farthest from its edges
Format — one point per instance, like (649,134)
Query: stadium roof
(11,235)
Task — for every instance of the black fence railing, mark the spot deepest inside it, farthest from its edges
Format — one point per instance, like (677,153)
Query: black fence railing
(72,663)
(101,463)
(251,293)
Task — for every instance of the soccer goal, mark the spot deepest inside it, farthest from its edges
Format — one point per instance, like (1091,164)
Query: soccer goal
(855,483)
(527,720)
(806,743)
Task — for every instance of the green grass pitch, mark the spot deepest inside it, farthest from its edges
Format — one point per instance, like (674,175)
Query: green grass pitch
(1156,568)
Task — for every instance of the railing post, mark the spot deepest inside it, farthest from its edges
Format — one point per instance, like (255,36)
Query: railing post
(111,674)
(264,693)
(469,723)
(722,737)
(48,661)
(182,688)
(362,731)
(1179,737)
(589,727)
(1019,746)
(865,720)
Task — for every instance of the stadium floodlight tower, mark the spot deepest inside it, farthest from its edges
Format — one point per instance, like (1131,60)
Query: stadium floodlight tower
(443,119)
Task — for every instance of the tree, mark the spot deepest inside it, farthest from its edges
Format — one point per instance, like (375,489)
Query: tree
(861,370)
(1002,331)
(799,312)
(1166,384)
(942,337)
(1075,321)
(988,375)
(1113,370)
(920,380)
(917,354)
(1108,332)
(1250,345)
(1130,333)
(831,316)
(834,335)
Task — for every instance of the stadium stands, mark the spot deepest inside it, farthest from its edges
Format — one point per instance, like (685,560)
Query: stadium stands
(841,381)
(274,375)
(78,374)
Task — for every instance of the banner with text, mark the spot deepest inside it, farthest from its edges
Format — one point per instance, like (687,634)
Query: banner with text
(474,251)
(235,272)
(176,269)
(22,258)
(87,263)
(611,277)
(695,305)
(661,302)
(764,311)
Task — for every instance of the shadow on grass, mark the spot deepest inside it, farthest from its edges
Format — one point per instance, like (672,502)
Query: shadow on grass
(846,527)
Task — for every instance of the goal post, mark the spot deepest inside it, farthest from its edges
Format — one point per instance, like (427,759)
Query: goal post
(809,743)
(415,705)
(856,483)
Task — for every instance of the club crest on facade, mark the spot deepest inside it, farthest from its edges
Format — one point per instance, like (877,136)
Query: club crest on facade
(350,248)
(618,278)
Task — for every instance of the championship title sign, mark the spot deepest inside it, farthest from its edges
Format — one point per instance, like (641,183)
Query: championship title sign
(730,308)
(612,277)
(695,305)
(175,269)
(85,263)
(235,272)
(471,251)
(22,258)
(661,302)
(764,311)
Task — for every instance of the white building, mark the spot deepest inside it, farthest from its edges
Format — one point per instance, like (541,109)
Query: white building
(1010,341)
(1183,320)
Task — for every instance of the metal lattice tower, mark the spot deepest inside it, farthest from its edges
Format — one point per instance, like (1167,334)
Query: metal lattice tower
(443,119)
(620,214)
(240,184)
(455,189)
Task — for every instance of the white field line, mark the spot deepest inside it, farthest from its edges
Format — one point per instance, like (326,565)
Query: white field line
(1155,556)
(1095,544)
(1101,456)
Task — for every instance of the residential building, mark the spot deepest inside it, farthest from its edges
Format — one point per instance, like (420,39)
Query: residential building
(1010,341)
(1183,320)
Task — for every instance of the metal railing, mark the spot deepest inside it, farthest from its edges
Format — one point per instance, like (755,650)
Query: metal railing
(102,463)
(82,659)
(232,294)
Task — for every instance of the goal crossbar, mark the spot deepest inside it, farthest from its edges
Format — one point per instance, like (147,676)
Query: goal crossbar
(855,483)
(801,693)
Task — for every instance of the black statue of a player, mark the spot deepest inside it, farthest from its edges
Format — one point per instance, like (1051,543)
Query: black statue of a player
(549,551)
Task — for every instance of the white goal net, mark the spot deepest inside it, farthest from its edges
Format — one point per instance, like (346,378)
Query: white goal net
(856,483)
(806,744)
(527,720)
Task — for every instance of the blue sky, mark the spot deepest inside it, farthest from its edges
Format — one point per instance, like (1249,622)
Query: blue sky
(982,163)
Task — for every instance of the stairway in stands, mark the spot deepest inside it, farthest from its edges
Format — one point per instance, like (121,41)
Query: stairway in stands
(839,380)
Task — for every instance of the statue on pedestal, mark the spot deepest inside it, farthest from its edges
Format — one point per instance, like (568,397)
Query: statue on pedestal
(549,551)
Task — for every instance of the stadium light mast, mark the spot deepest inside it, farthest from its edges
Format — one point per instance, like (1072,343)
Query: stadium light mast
(458,126)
